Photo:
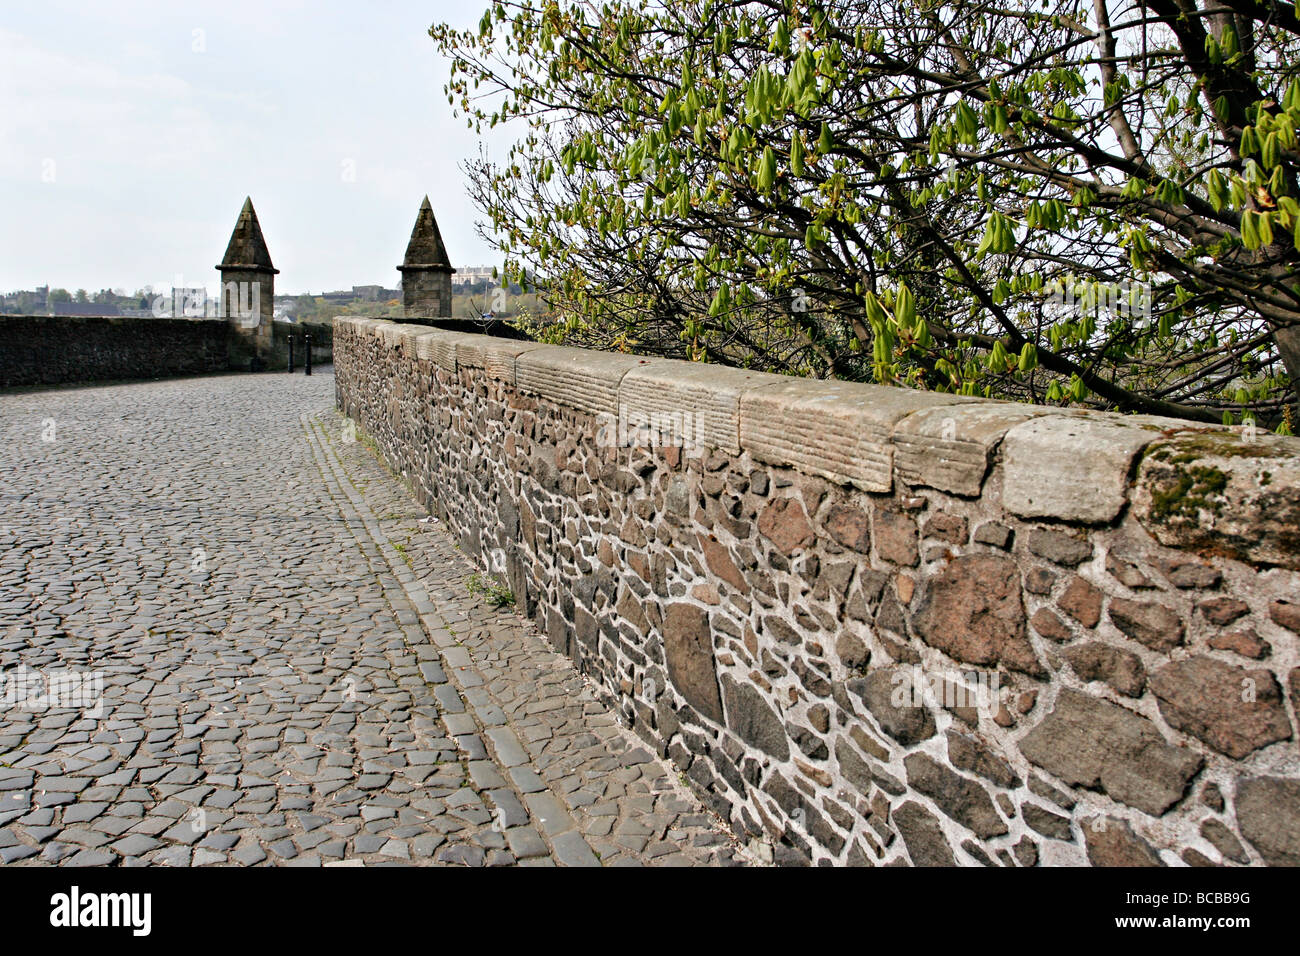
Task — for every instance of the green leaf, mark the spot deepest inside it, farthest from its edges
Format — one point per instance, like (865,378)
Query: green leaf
(1249,232)
(1249,142)
(921,332)
(767,170)
(1264,227)
(1217,189)
(966,122)
(1270,151)
(1229,44)
(905,306)
(824,141)
(796,154)
(1213,52)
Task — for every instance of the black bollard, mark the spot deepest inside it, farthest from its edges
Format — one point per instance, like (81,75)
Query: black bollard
(291,353)
(306,351)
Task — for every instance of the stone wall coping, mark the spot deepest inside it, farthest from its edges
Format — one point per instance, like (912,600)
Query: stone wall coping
(1073,465)
(1076,467)
(408,337)
(951,447)
(580,378)
(842,431)
(444,346)
(1200,492)
(391,333)
(666,392)
(427,346)
(496,357)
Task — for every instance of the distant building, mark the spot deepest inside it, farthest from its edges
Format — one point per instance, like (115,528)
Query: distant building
(472,275)
(374,293)
(358,293)
(24,302)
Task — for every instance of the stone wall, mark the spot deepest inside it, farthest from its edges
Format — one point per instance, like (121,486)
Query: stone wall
(878,626)
(49,350)
(55,350)
(322,344)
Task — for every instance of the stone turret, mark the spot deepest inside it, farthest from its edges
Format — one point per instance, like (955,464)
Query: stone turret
(248,283)
(426,272)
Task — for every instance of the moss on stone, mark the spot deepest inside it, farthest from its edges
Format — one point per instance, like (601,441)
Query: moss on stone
(1193,488)
(1186,450)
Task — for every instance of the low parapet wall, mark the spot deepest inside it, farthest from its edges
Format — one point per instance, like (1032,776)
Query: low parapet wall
(322,344)
(876,625)
(55,350)
(59,350)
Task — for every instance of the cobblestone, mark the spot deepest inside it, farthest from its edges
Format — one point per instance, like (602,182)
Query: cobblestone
(293,668)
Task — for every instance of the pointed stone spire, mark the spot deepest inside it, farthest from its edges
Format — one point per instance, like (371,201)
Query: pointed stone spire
(425,250)
(247,249)
(426,270)
(248,285)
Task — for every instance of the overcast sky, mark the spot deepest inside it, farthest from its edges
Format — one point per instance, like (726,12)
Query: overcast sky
(131,132)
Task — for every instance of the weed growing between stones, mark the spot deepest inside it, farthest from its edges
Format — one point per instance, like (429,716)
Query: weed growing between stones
(496,595)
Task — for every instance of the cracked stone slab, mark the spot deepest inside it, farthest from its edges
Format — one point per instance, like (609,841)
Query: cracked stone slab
(951,448)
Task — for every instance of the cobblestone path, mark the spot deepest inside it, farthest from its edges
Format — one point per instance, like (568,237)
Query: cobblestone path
(230,636)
